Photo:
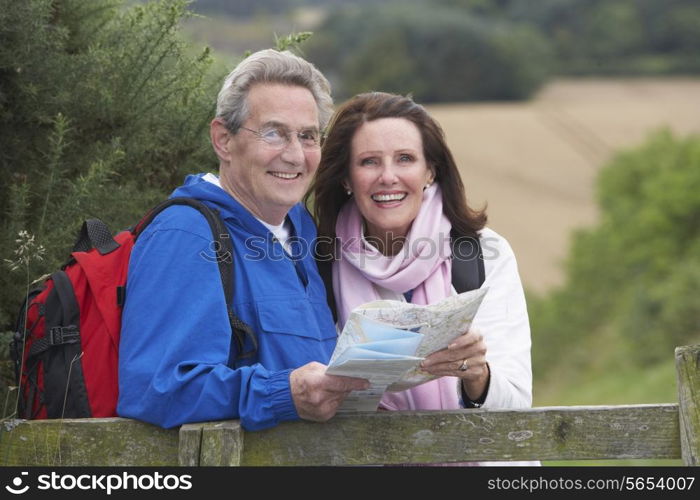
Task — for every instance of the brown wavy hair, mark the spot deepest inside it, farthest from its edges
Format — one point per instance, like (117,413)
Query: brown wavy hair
(327,189)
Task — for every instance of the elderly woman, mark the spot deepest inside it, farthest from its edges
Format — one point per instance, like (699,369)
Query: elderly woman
(386,182)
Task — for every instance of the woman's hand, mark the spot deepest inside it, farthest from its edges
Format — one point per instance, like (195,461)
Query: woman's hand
(464,358)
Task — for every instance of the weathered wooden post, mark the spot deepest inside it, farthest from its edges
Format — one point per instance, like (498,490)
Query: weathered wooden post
(688,376)
(211,444)
(190,445)
(222,443)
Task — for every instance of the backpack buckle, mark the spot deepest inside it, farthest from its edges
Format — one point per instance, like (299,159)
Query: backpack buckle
(64,335)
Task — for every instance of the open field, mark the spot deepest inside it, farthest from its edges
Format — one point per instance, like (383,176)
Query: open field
(535,163)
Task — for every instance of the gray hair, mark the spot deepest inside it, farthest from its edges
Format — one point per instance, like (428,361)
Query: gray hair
(270,66)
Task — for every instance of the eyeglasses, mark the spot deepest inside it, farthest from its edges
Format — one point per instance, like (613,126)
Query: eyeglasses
(280,137)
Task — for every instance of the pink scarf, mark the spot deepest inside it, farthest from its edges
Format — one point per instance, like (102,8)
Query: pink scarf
(420,266)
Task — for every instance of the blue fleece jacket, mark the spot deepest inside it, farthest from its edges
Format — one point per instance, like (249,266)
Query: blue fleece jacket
(177,360)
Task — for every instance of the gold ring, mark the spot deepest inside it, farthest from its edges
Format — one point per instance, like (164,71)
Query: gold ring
(464,366)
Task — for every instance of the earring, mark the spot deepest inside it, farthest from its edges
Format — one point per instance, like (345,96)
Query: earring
(349,192)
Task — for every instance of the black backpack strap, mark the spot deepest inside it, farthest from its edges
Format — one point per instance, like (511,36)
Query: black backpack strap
(468,274)
(224,257)
(65,322)
(325,269)
(467,263)
(61,352)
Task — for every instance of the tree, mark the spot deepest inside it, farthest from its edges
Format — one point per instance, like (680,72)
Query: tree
(436,54)
(634,278)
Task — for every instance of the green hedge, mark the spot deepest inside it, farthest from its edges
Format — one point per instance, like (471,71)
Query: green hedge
(633,280)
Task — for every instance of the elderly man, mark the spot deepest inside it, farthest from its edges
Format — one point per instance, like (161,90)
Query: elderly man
(178,362)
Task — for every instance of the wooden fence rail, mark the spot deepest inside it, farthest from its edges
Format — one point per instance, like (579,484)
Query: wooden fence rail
(553,433)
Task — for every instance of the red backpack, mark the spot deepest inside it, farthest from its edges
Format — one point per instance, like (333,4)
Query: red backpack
(66,344)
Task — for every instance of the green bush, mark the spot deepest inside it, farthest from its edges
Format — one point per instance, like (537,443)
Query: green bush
(637,272)
(616,37)
(102,112)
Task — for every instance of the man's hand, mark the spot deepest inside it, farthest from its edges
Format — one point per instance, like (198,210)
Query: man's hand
(316,395)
